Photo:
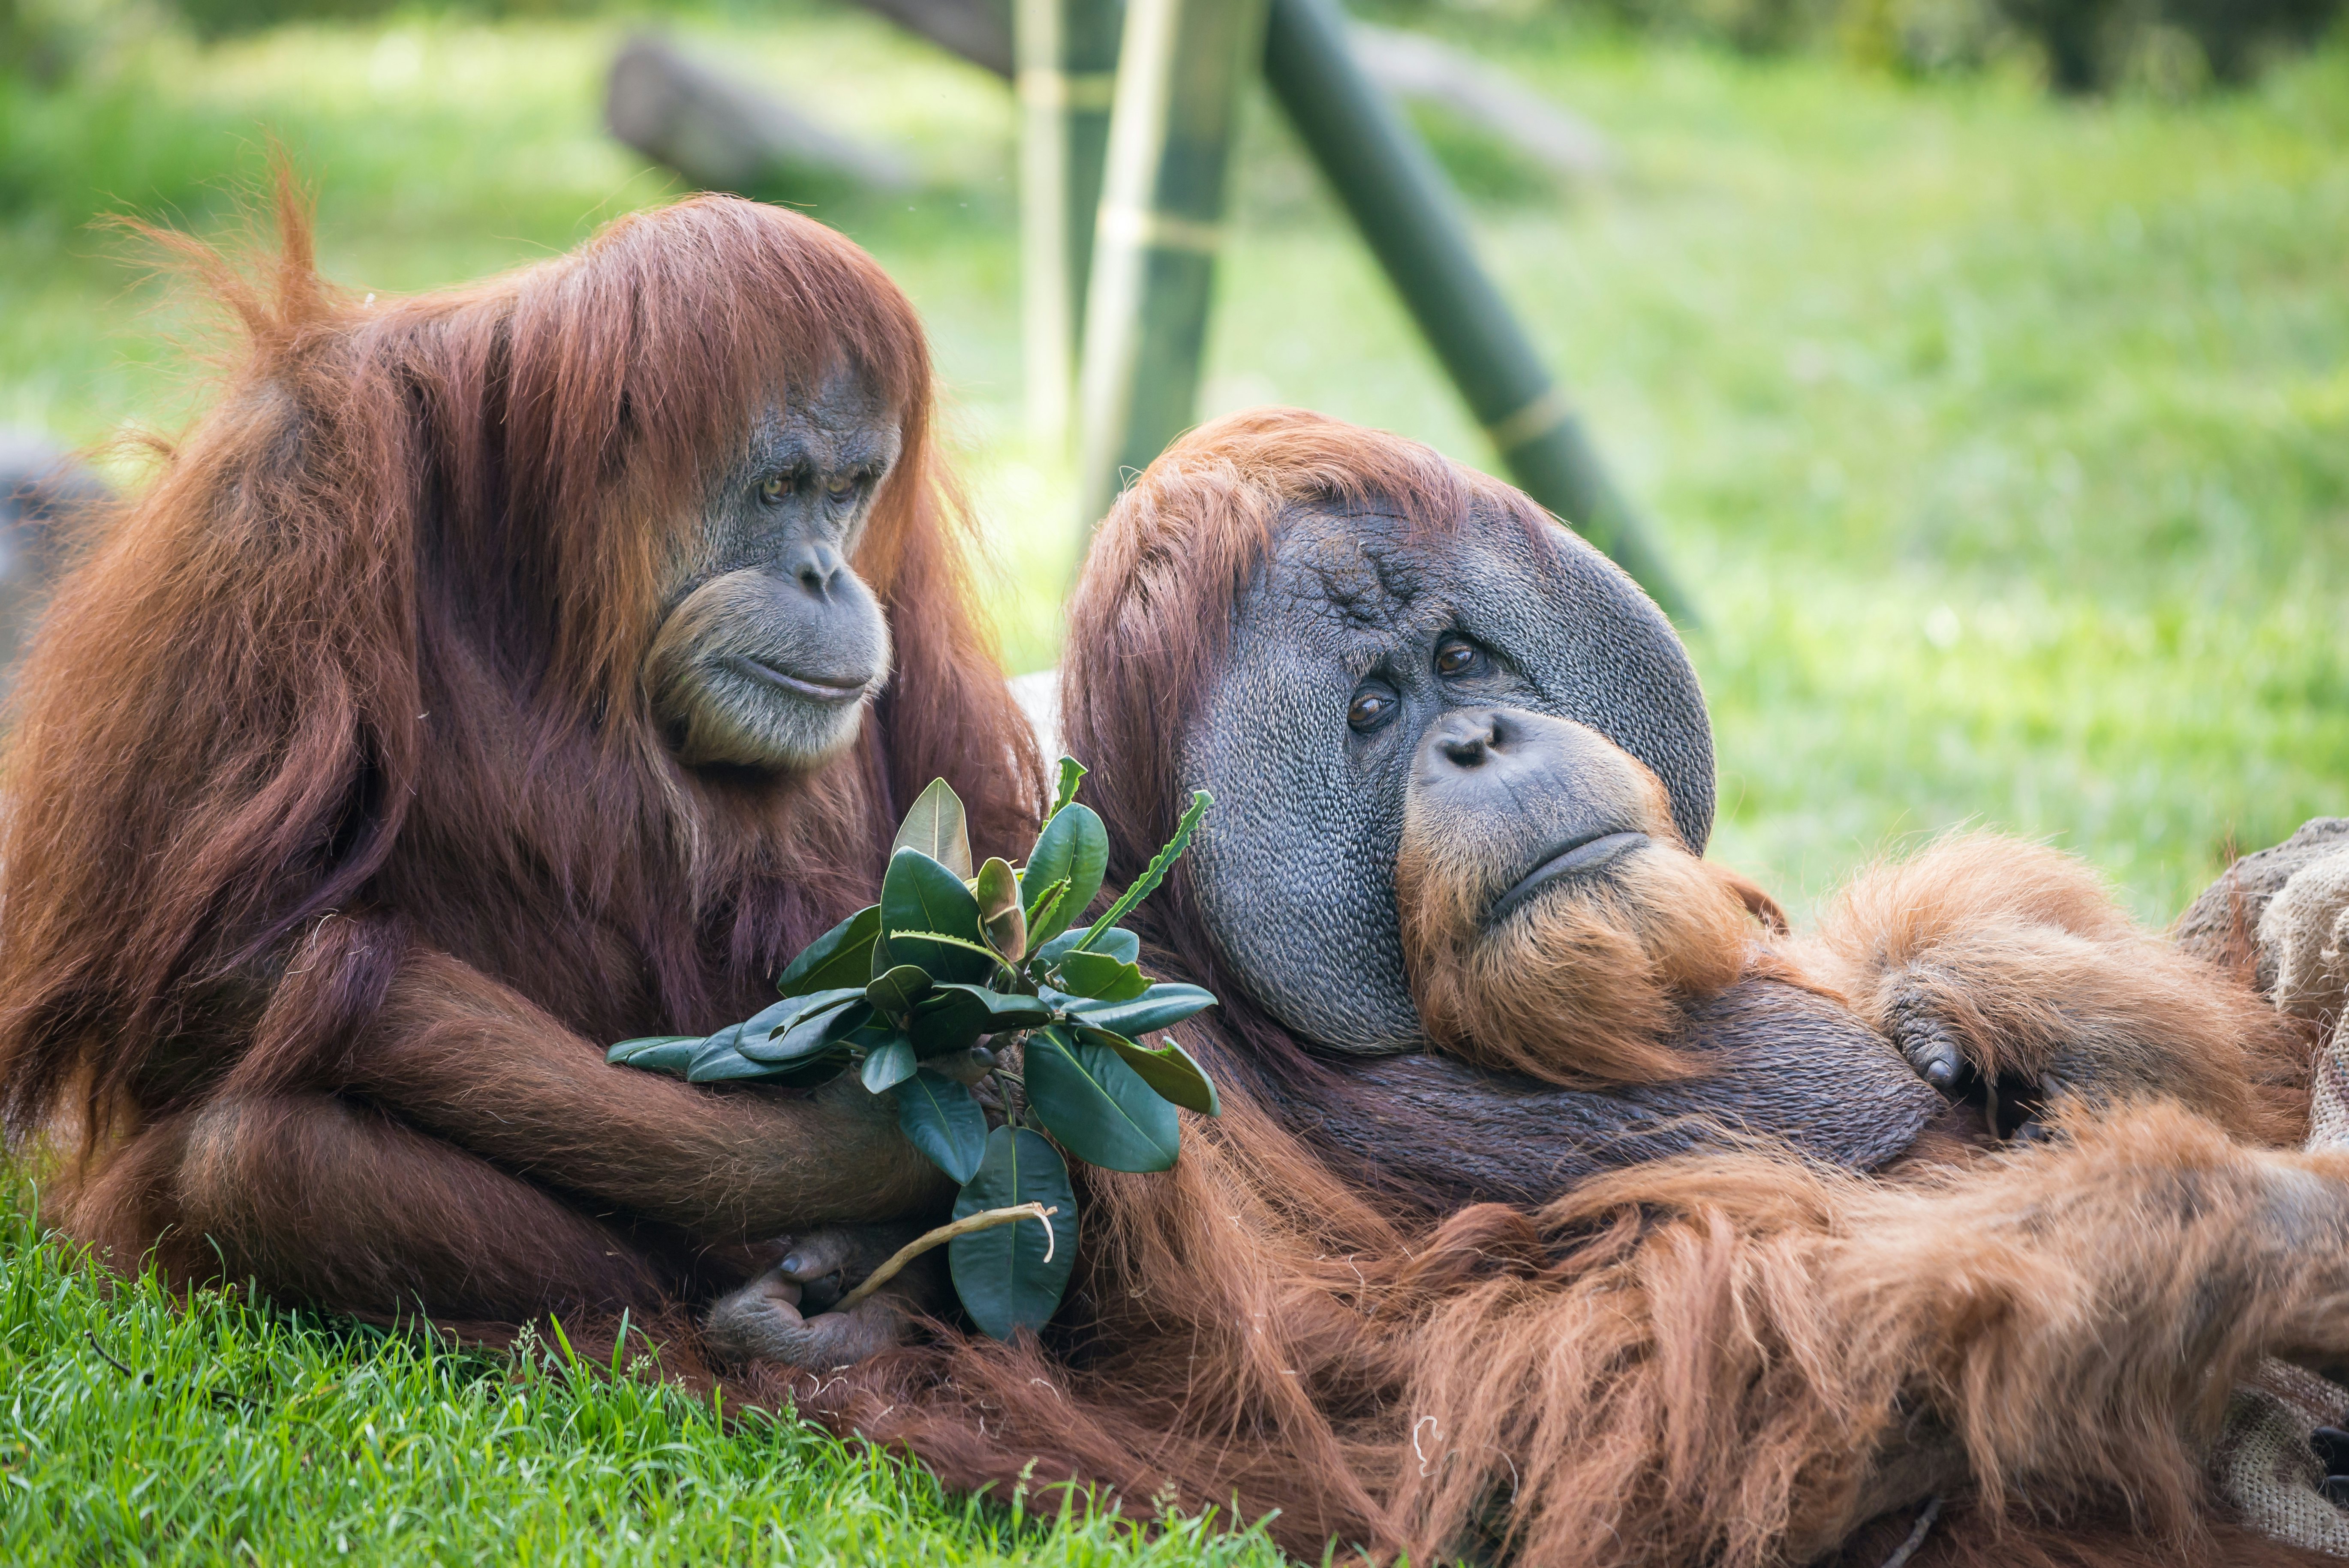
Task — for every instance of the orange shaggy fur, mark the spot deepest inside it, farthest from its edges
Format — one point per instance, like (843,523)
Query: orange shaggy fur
(1735,1359)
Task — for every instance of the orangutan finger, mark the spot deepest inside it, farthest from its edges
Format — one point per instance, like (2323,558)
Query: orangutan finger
(818,1253)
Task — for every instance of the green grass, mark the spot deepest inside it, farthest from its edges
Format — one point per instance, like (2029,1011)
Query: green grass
(2005,442)
(133,1426)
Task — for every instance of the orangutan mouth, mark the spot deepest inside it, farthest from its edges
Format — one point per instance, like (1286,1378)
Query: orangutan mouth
(812,689)
(1578,857)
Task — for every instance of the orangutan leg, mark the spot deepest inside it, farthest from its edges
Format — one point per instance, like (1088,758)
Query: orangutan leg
(126,1209)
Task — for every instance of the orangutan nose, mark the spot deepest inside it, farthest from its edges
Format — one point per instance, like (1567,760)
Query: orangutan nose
(1520,765)
(1468,738)
(813,566)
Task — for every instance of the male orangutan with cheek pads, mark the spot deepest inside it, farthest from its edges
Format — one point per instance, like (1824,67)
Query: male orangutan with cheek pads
(1563,1207)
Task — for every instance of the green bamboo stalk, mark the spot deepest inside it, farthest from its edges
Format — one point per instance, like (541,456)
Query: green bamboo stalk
(1413,221)
(1065,55)
(1181,67)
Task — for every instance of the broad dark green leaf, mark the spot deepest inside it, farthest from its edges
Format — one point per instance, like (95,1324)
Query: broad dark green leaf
(953,1018)
(1098,976)
(1116,941)
(1161,1006)
(945,1021)
(670,1054)
(936,828)
(808,1072)
(939,1117)
(1002,1273)
(816,1032)
(876,1030)
(889,1064)
(800,1009)
(895,992)
(919,896)
(720,1059)
(772,1016)
(840,957)
(1096,1106)
(1073,845)
(1168,1070)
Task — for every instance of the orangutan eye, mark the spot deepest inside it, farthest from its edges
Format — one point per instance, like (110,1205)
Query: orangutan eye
(1458,656)
(842,485)
(1371,707)
(775,488)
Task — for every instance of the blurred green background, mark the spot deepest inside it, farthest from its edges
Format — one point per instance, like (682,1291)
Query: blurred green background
(2002,432)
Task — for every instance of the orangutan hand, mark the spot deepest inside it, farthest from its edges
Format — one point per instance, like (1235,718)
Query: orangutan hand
(1927,1024)
(784,1315)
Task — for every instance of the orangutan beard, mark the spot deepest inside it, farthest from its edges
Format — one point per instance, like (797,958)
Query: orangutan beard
(1585,983)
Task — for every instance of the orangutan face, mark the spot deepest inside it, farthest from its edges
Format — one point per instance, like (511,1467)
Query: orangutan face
(1467,776)
(773,647)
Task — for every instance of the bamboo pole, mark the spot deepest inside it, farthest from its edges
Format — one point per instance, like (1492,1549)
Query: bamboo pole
(1407,213)
(1066,57)
(1181,67)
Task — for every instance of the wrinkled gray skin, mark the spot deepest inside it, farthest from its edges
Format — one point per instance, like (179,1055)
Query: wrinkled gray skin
(770,645)
(1295,867)
(1308,814)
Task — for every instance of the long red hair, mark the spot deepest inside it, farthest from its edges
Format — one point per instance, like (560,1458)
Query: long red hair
(369,643)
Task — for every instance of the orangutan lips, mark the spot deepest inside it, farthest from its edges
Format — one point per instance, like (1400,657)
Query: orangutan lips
(1580,857)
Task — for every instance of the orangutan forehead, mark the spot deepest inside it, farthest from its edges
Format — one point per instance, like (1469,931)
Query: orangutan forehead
(1356,572)
(841,423)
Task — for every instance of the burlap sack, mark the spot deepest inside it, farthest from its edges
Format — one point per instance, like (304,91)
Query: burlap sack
(2263,1463)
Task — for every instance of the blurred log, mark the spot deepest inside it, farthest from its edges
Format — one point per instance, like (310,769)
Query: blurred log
(727,135)
(978,30)
(1068,76)
(1407,65)
(1412,65)
(45,496)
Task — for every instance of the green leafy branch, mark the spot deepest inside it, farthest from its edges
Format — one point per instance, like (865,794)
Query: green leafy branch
(927,994)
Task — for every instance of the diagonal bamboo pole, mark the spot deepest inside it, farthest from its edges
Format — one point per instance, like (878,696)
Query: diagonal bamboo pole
(1407,213)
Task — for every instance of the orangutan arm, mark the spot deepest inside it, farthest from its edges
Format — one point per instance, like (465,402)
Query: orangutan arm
(2007,967)
(462,1056)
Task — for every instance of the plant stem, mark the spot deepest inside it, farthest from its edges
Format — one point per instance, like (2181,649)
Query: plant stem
(986,1219)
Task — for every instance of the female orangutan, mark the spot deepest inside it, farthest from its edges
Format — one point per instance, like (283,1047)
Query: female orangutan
(491,675)
(1563,1207)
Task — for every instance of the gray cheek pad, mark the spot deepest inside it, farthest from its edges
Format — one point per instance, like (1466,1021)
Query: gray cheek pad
(1294,867)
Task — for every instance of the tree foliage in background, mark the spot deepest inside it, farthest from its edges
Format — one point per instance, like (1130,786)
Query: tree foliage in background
(2168,46)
